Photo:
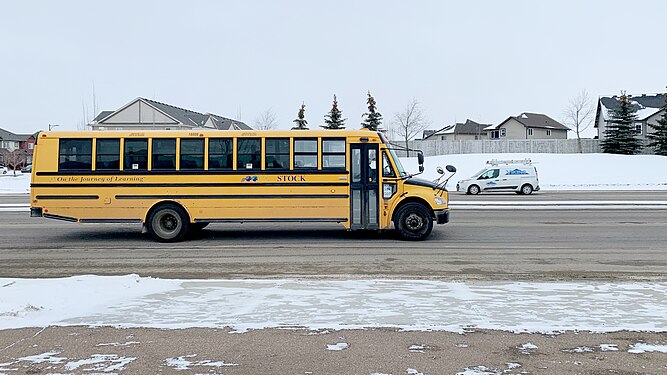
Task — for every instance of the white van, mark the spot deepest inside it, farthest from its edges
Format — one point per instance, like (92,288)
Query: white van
(519,176)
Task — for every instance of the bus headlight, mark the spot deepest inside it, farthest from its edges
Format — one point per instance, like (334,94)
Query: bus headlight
(440,200)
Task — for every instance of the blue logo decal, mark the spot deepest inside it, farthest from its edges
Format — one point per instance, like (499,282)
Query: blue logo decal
(516,171)
(249,179)
(492,183)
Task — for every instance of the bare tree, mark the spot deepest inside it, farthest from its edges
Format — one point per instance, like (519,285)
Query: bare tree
(266,120)
(579,115)
(15,159)
(410,122)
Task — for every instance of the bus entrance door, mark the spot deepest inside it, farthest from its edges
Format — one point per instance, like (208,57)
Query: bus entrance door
(364,186)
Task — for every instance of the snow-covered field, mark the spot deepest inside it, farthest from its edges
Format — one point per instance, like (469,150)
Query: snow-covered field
(133,301)
(556,171)
(565,171)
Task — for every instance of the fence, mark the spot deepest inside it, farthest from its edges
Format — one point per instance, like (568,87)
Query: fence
(539,146)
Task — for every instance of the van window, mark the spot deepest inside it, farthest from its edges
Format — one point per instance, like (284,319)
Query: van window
(491,173)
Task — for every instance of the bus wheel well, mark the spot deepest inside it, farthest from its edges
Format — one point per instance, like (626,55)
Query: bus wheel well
(163,203)
(411,200)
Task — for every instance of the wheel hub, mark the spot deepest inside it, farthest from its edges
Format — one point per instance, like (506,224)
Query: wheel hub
(414,222)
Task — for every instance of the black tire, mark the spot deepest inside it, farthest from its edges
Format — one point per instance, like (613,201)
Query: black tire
(168,223)
(527,189)
(473,189)
(413,222)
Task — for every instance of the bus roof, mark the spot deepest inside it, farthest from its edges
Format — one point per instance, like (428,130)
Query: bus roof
(208,133)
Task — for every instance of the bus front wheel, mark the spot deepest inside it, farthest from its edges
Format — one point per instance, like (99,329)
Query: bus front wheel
(413,222)
(168,223)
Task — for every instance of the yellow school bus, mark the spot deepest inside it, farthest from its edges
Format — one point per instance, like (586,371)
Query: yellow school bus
(174,182)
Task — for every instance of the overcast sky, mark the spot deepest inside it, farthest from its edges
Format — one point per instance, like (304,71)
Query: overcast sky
(483,60)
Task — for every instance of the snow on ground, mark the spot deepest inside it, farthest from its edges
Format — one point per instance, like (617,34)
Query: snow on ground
(10,184)
(556,171)
(563,171)
(132,301)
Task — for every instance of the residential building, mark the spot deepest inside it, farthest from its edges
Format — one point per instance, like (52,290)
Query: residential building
(528,126)
(22,144)
(649,110)
(469,130)
(147,114)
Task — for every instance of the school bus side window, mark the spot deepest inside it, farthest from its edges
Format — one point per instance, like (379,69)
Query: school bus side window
(107,154)
(277,153)
(248,153)
(75,155)
(305,153)
(192,154)
(333,153)
(220,153)
(135,154)
(164,154)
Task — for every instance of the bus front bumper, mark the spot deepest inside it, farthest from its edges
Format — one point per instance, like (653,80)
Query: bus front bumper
(442,216)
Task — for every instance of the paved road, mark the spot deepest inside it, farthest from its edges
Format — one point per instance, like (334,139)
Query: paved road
(478,244)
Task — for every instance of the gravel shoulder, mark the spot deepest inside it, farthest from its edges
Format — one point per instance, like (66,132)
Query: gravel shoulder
(297,351)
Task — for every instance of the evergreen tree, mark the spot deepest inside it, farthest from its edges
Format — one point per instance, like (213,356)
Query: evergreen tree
(334,119)
(659,137)
(620,134)
(301,123)
(373,118)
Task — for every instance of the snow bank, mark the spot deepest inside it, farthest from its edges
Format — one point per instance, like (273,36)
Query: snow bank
(131,301)
(10,184)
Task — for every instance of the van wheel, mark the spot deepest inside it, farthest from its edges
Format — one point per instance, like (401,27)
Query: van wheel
(527,189)
(168,223)
(473,189)
(413,221)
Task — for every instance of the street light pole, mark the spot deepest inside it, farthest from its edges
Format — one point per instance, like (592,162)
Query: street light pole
(51,126)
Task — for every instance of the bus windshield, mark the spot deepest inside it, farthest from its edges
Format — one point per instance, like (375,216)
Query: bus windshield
(397,161)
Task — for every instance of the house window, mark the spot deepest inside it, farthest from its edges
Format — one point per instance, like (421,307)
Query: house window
(192,154)
(305,153)
(638,127)
(277,153)
(220,153)
(495,134)
(548,132)
(443,137)
(333,153)
(530,132)
(503,132)
(164,154)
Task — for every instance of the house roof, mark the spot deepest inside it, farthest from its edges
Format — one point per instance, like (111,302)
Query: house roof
(646,105)
(468,127)
(184,116)
(533,120)
(6,135)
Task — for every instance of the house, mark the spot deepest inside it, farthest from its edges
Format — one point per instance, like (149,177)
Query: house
(469,130)
(146,114)
(19,144)
(649,110)
(528,126)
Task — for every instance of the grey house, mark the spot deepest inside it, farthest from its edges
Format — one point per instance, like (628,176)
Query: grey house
(146,114)
(528,126)
(469,130)
(649,110)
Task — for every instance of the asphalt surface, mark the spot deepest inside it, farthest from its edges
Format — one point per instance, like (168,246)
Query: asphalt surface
(605,242)
(540,244)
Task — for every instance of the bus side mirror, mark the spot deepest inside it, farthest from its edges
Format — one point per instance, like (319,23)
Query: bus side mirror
(421,168)
(439,170)
(420,158)
(451,168)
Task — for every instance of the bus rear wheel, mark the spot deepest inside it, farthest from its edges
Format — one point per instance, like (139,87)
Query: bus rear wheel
(413,222)
(168,223)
